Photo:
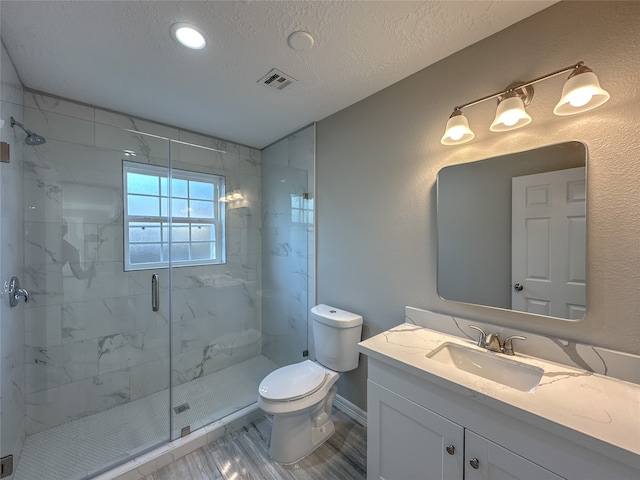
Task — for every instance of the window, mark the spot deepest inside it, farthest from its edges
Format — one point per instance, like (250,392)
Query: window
(197,217)
(301,208)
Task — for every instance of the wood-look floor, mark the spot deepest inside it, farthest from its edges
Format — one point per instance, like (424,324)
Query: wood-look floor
(244,455)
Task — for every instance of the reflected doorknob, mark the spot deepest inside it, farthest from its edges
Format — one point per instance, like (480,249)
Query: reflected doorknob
(518,287)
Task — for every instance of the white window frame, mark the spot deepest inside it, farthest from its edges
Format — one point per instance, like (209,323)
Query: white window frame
(218,182)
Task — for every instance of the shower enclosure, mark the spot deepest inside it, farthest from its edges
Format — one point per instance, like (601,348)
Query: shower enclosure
(168,273)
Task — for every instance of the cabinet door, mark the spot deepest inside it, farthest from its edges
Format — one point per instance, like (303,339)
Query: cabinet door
(494,462)
(408,442)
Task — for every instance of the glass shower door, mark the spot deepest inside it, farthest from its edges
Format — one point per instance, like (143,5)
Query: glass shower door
(216,277)
(95,365)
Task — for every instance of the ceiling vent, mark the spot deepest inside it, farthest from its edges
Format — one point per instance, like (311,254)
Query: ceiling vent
(277,80)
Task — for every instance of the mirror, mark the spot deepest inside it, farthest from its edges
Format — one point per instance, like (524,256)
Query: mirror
(512,231)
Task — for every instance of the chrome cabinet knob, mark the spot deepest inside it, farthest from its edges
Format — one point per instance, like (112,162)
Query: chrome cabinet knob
(475,463)
(518,287)
(451,449)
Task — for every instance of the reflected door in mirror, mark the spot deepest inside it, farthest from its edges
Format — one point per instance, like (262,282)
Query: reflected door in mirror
(548,243)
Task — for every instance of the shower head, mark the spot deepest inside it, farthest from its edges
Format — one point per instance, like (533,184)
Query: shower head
(31,138)
(34,139)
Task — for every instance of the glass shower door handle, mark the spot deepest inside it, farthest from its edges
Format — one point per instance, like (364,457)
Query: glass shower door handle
(155,292)
(12,287)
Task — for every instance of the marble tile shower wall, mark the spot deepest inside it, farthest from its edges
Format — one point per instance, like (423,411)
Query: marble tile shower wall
(288,246)
(92,340)
(12,408)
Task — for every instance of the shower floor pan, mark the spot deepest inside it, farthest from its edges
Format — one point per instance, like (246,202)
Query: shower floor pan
(86,446)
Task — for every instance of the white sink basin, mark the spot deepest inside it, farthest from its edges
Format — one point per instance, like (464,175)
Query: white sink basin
(490,365)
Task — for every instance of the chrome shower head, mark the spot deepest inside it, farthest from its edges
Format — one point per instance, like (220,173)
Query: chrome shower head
(31,138)
(34,139)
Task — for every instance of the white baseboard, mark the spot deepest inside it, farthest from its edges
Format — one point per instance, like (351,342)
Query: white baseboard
(351,409)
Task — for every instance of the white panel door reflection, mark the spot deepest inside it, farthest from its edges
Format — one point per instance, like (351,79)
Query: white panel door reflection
(549,243)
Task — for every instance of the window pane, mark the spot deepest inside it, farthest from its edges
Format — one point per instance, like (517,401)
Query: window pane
(200,209)
(179,251)
(202,251)
(179,188)
(179,207)
(144,253)
(180,233)
(144,232)
(203,191)
(202,233)
(138,183)
(145,206)
(163,187)
(163,207)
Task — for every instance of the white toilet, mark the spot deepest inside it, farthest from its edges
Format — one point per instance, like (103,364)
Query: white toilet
(300,396)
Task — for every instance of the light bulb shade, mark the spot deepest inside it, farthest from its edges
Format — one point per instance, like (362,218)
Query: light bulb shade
(581,92)
(457,130)
(510,114)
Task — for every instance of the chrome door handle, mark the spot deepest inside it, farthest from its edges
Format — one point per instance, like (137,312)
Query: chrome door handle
(155,292)
(12,287)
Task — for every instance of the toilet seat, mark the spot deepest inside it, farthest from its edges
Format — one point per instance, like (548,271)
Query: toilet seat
(293,382)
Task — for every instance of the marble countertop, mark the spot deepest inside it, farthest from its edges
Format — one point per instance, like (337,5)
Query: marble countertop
(599,407)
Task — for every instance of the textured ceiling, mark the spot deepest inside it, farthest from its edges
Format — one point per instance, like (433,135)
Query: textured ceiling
(119,55)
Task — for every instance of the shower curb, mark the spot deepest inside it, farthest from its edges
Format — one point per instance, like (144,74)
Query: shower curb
(154,460)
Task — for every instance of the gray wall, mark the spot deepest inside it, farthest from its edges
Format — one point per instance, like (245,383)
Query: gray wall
(377,163)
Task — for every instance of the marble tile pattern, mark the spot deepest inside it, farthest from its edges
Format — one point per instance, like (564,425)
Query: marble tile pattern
(623,366)
(288,246)
(594,411)
(89,327)
(12,330)
(244,454)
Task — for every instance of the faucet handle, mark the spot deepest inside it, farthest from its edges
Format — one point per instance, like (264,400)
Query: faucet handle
(507,346)
(482,338)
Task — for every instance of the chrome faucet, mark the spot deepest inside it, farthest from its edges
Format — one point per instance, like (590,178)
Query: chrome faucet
(493,343)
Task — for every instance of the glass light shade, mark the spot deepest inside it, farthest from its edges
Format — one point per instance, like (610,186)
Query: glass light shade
(510,114)
(580,93)
(457,130)
(188,36)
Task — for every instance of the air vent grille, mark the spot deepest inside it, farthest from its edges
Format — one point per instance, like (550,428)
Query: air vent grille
(277,80)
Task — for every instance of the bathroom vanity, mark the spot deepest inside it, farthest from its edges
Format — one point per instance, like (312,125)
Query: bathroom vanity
(430,419)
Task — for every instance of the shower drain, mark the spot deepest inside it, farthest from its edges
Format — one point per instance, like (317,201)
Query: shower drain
(181,408)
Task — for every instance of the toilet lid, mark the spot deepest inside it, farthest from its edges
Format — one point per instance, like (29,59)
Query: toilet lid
(292,381)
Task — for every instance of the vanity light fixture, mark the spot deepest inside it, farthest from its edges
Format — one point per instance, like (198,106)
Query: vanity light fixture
(581,92)
(510,113)
(188,36)
(457,130)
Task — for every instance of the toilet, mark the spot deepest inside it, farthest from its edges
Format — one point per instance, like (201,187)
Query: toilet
(300,396)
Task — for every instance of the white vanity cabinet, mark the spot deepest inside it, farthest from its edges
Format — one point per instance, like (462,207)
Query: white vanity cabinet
(409,442)
(412,420)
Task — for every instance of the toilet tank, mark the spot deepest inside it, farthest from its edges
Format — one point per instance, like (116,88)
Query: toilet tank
(336,335)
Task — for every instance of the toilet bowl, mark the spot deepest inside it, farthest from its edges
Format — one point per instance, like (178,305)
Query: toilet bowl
(300,396)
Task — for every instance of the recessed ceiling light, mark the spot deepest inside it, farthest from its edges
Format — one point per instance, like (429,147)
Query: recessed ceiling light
(188,36)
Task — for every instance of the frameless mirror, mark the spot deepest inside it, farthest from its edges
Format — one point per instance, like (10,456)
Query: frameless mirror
(512,231)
